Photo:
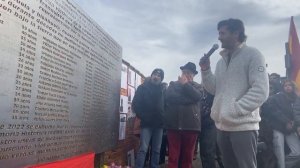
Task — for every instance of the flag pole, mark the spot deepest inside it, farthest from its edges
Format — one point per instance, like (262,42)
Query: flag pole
(287,60)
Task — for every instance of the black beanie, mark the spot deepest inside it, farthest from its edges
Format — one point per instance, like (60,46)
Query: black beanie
(160,72)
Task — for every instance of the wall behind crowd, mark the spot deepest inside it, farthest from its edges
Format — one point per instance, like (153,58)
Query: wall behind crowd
(128,142)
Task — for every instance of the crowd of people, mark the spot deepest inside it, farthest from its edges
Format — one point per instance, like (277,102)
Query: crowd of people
(240,116)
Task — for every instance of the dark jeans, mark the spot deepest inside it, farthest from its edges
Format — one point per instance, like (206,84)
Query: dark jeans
(163,149)
(146,135)
(238,148)
(208,143)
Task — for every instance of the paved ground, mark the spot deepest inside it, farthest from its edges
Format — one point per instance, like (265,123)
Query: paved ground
(196,163)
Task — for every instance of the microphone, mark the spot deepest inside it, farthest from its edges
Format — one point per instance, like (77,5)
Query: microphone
(212,50)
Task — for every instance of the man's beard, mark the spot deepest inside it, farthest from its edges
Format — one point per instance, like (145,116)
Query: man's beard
(155,81)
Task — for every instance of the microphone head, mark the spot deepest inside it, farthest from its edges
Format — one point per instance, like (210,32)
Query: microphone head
(215,46)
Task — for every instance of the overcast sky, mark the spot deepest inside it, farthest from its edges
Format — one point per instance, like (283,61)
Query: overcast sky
(169,33)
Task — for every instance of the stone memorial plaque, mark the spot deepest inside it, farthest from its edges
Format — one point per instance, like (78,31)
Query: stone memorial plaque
(60,83)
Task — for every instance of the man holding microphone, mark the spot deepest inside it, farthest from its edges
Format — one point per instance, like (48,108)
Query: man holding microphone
(240,85)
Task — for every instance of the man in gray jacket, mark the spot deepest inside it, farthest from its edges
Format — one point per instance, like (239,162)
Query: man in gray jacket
(240,85)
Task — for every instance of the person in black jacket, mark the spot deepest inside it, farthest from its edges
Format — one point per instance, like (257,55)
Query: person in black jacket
(208,135)
(278,112)
(296,110)
(182,117)
(148,104)
(265,152)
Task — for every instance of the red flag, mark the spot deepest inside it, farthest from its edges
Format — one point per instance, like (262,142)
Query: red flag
(294,50)
(81,161)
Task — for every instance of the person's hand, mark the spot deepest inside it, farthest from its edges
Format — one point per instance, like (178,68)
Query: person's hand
(189,78)
(204,63)
(290,125)
(182,79)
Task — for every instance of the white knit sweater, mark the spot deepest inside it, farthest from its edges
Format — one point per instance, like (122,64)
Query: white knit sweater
(240,87)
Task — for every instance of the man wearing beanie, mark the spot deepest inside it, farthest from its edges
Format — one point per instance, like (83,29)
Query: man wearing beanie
(182,117)
(148,104)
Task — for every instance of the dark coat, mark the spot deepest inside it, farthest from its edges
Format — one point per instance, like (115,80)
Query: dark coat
(296,109)
(183,106)
(266,159)
(148,104)
(206,104)
(278,111)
